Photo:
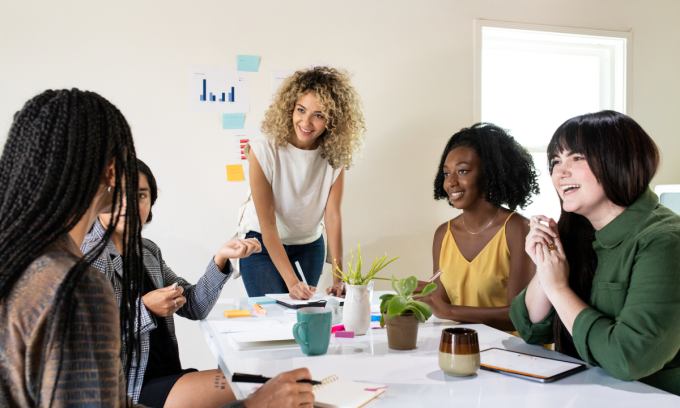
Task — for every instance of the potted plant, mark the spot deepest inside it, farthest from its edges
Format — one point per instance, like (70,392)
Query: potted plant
(401,313)
(357,309)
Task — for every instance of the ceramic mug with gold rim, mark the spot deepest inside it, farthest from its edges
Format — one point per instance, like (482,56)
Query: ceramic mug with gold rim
(459,351)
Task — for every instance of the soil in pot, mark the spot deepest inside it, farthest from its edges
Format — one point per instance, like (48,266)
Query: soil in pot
(402,332)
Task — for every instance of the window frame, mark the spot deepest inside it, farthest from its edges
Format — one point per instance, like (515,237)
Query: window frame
(477,71)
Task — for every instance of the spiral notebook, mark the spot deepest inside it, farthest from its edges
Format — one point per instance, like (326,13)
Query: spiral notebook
(334,392)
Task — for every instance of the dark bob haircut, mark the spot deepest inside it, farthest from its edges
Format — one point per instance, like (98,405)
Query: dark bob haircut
(621,155)
(153,187)
(508,169)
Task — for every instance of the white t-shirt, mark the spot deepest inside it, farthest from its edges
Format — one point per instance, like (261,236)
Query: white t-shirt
(301,182)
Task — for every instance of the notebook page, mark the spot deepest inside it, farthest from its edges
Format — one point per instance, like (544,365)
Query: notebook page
(339,393)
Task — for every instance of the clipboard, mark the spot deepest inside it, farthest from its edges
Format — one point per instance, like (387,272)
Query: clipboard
(527,366)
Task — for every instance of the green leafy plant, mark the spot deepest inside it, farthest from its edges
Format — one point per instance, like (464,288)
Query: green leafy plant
(354,277)
(402,304)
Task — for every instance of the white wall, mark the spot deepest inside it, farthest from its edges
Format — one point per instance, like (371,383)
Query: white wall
(413,66)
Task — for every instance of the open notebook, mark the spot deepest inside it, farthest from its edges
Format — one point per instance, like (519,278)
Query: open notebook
(337,393)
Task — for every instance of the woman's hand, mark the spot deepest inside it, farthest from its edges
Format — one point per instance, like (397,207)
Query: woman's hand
(164,302)
(552,268)
(439,307)
(420,287)
(301,291)
(337,289)
(284,391)
(236,248)
(540,235)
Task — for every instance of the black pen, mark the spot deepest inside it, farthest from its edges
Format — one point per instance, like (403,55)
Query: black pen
(258,379)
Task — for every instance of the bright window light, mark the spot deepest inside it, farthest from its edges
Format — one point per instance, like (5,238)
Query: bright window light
(531,80)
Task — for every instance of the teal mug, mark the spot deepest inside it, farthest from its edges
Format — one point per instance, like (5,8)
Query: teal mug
(313,330)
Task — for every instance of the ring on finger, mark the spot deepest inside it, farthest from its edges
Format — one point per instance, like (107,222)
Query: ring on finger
(175,302)
(552,247)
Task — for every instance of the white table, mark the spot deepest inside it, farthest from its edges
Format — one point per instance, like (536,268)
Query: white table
(414,378)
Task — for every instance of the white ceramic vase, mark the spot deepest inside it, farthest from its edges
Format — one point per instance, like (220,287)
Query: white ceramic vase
(356,316)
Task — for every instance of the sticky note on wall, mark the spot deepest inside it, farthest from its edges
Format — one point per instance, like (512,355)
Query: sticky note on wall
(235,172)
(249,63)
(233,120)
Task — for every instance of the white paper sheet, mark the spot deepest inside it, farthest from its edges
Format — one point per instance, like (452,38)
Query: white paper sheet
(232,326)
(362,367)
(220,81)
(278,76)
(523,363)
(240,137)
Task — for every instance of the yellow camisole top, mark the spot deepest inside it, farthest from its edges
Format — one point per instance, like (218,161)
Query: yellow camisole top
(482,282)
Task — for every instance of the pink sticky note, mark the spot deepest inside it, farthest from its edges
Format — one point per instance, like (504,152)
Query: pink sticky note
(348,334)
(339,327)
(375,389)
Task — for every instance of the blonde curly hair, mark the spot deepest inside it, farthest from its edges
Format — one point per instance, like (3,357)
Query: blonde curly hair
(340,104)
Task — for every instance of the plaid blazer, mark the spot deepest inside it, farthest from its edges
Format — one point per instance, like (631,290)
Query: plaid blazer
(200,297)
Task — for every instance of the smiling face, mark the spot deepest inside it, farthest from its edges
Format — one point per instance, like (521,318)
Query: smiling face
(576,184)
(309,122)
(144,207)
(463,177)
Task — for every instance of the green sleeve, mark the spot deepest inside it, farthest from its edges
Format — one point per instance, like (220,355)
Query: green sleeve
(646,333)
(532,333)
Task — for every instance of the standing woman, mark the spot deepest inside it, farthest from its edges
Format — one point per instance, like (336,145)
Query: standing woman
(313,129)
(607,284)
(69,156)
(481,251)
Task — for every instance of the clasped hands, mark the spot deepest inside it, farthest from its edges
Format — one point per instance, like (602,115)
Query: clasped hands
(545,248)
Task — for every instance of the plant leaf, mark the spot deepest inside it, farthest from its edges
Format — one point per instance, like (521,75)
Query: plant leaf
(409,285)
(424,307)
(382,320)
(416,312)
(427,290)
(397,305)
(361,281)
(387,296)
(395,287)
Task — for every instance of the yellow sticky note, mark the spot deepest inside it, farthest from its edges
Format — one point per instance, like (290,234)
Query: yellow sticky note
(237,313)
(235,172)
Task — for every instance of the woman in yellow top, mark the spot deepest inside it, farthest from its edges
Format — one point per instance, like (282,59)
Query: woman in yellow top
(481,251)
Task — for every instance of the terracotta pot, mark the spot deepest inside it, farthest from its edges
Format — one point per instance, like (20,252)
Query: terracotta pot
(402,332)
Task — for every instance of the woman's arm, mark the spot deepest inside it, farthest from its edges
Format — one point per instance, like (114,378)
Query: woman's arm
(521,272)
(263,199)
(333,221)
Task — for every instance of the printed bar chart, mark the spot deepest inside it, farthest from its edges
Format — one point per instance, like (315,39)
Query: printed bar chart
(216,88)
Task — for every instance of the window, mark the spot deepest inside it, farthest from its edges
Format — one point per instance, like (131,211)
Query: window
(530,79)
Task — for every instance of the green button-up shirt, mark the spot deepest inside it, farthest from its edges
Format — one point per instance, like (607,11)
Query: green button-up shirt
(631,326)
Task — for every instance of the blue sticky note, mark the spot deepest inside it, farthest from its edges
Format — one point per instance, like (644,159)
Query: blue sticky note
(249,63)
(375,318)
(262,300)
(233,120)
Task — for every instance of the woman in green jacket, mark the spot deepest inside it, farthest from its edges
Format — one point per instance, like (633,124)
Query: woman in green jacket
(607,283)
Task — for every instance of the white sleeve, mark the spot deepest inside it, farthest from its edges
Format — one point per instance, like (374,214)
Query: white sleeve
(265,151)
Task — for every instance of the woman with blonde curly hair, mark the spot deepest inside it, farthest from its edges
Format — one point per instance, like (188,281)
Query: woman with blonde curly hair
(313,129)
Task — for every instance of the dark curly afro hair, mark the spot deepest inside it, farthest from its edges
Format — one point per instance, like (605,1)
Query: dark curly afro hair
(508,169)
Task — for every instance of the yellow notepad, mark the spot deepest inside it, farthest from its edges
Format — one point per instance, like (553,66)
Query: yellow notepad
(337,393)
(237,313)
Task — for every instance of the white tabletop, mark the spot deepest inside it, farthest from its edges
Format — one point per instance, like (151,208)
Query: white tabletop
(414,377)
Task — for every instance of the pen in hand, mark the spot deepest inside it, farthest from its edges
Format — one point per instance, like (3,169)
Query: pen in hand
(258,379)
(436,275)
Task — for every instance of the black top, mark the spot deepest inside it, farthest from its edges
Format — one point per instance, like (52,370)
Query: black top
(163,355)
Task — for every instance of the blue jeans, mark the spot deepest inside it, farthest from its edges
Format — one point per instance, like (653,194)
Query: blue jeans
(261,276)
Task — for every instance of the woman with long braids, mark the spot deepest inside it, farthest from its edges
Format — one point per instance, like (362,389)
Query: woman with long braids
(69,156)
(485,173)
(607,284)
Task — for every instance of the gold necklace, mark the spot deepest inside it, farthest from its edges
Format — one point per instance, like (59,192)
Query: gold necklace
(475,233)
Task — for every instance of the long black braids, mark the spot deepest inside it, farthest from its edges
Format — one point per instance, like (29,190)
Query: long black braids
(51,169)
(508,170)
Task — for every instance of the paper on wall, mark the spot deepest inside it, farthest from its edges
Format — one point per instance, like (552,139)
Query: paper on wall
(278,76)
(218,89)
